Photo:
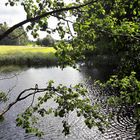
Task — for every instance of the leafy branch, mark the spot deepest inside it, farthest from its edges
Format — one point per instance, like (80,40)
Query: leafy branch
(37,18)
(68,99)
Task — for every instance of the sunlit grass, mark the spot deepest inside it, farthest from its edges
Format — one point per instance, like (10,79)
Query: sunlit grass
(24,55)
(23,49)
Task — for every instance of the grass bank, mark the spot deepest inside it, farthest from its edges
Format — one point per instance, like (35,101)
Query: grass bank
(24,55)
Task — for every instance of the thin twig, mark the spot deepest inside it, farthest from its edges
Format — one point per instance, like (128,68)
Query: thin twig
(69,29)
(6,78)
(67,20)
(32,100)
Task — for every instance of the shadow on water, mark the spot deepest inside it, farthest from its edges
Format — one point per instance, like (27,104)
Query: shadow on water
(28,77)
(52,126)
(123,126)
(97,73)
(7,69)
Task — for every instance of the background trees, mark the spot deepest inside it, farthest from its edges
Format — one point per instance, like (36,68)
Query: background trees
(47,41)
(17,37)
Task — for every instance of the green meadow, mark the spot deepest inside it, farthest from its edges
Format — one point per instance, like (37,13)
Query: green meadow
(25,55)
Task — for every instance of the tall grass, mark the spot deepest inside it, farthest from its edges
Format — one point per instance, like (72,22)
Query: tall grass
(21,55)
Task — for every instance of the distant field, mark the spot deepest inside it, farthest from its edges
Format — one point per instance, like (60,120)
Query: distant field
(24,55)
(23,49)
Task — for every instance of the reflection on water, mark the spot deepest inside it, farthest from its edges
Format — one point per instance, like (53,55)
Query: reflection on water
(24,78)
(51,125)
(100,73)
(11,69)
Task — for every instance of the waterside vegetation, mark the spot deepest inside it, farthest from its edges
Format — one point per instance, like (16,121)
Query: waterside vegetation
(30,56)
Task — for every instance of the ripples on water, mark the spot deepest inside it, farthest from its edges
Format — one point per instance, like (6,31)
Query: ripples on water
(121,127)
(52,126)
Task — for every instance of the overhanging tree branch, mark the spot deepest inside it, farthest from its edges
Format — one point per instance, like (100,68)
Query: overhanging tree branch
(32,91)
(41,16)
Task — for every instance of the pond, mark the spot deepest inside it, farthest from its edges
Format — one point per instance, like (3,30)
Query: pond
(28,77)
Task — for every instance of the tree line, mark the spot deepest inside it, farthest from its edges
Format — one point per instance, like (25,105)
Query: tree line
(20,37)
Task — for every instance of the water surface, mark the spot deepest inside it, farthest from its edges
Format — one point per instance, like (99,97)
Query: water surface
(20,79)
(52,126)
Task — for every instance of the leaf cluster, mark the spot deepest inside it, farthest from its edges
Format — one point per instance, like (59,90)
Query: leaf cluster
(123,92)
(3,96)
(67,99)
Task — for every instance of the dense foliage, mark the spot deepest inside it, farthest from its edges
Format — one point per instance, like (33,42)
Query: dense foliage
(112,26)
(124,97)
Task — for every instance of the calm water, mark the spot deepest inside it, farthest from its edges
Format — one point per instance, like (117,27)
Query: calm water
(52,126)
